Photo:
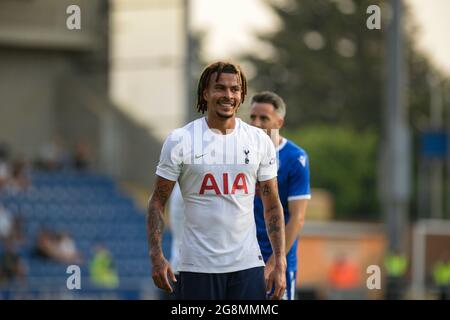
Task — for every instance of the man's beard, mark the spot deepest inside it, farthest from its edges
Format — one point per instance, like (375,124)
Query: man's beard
(224,116)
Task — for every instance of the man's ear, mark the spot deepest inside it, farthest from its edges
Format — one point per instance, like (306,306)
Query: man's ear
(280,122)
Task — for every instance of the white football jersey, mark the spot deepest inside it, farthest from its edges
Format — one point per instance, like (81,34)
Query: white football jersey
(217,175)
(176,215)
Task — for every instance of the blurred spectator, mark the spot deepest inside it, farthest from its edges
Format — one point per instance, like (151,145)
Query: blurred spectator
(12,267)
(11,227)
(82,156)
(67,250)
(17,236)
(6,224)
(441,276)
(20,178)
(344,278)
(396,265)
(53,155)
(102,270)
(4,165)
(57,246)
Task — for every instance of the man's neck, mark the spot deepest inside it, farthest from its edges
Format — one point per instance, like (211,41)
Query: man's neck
(279,142)
(275,136)
(225,126)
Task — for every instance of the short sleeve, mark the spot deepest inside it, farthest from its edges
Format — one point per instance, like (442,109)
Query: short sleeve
(268,165)
(171,158)
(299,186)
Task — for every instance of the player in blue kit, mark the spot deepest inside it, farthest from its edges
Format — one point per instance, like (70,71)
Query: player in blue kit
(267,112)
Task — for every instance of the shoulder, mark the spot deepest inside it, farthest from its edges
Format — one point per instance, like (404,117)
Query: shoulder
(254,132)
(189,127)
(295,154)
(294,150)
(249,128)
(185,131)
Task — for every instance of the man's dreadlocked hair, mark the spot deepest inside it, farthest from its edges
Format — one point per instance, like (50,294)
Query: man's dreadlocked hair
(219,67)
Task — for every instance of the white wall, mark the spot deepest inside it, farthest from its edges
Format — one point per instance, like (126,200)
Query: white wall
(147,52)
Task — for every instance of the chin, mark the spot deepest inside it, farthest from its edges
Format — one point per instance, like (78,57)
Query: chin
(224,115)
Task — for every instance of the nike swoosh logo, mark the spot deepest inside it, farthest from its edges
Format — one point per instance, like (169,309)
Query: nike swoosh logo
(199,156)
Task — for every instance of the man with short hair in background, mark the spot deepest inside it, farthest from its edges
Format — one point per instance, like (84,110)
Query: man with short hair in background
(267,111)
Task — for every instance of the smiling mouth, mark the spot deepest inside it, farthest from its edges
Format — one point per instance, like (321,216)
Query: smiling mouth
(227,104)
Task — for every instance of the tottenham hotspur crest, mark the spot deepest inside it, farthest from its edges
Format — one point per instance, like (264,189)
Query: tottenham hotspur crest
(246,151)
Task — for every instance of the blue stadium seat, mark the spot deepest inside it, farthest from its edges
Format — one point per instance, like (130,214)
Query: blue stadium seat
(91,209)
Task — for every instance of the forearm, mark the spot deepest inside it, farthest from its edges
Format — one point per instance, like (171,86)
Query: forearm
(297,213)
(155,228)
(155,215)
(275,229)
(293,228)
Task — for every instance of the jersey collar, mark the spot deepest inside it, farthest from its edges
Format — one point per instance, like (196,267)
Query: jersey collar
(283,143)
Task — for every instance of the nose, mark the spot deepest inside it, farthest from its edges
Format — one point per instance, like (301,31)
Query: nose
(228,93)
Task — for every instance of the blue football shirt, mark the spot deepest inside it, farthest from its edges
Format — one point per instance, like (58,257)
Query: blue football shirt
(293,184)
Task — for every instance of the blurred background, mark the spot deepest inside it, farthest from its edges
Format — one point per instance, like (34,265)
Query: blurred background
(89,92)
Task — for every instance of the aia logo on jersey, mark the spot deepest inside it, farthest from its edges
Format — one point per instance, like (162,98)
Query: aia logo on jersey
(211,183)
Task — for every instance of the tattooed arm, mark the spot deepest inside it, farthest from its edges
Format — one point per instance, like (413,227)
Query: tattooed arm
(155,227)
(274,272)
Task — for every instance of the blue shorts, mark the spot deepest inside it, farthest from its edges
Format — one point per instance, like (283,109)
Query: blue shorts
(240,285)
(289,294)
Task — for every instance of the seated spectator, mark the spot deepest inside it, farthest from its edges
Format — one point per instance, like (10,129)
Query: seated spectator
(20,178)
(4,165)
(11,227)
(57,246)
(53,155)
(6,224)
(102,270)
(12,267)
(81,156)
(17,236)
(67,249)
